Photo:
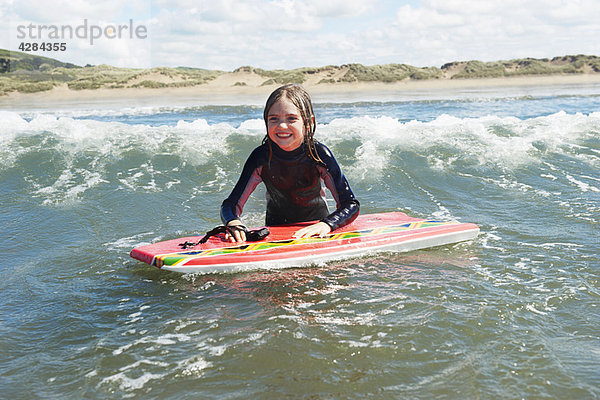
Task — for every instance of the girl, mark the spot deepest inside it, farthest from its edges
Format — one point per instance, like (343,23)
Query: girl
(292,165)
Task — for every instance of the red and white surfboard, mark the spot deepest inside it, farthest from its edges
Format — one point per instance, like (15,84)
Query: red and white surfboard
(368,234)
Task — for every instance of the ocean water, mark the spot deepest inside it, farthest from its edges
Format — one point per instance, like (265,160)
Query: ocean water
(512,314)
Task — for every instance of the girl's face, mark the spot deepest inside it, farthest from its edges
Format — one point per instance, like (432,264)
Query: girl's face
(285,125)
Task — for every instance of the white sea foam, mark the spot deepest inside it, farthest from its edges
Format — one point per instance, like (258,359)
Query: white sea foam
(69,186)
(253,126)
(130,242)
(193,366)
(485,138)
(127,384)
(359,320)
(84,149)
(584,187)
(12,123)
(532,308)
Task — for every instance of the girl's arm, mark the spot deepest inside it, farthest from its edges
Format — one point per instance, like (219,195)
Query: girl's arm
(232,206)
(347,205)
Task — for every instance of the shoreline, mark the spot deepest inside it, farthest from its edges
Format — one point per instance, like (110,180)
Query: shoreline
(224,91)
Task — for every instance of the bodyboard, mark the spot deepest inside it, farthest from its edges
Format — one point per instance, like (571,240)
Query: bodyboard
(367,234)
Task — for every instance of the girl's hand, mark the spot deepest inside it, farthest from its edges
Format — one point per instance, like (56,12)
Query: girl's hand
(238,236)
(320,229)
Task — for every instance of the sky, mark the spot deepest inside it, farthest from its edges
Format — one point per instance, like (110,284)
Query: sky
(285,34)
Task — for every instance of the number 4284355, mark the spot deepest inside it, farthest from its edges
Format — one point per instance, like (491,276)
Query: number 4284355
(46,46)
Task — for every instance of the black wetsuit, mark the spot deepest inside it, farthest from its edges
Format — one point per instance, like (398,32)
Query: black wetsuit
(294,191)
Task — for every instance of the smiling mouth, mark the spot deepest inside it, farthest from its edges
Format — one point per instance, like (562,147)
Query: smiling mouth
(284,135)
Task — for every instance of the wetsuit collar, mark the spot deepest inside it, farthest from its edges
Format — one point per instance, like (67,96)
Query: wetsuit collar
(282,153)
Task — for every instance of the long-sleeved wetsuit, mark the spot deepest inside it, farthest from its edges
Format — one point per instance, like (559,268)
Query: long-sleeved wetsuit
(294,191)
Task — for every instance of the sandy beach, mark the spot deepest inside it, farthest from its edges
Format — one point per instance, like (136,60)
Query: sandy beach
(248,88)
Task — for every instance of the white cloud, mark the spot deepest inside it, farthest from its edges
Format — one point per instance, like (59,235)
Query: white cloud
(66,11)
(270,34)
(37,19)
(491,30)
(225,34)
(425,18)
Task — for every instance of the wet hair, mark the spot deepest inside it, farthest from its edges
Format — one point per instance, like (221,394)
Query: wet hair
(301,99)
